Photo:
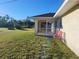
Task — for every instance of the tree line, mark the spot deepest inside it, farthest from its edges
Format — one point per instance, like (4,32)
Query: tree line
(11,23)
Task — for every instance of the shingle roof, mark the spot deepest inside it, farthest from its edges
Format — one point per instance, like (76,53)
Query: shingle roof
(45,15)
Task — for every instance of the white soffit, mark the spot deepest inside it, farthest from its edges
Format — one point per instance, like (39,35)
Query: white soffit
(67,5)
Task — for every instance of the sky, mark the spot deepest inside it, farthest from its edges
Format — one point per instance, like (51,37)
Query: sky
(20,9)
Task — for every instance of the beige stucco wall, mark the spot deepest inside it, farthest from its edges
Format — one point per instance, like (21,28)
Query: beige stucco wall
(71,28)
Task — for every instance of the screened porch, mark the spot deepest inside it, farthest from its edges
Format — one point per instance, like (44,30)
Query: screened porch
(45,27)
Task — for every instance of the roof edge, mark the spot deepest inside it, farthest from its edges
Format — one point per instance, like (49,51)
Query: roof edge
(64,3)
(45,15)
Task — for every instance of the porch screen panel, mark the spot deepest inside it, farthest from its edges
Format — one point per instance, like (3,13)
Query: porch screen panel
(49,27)
(42,27)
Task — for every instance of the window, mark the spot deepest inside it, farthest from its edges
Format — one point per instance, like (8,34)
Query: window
(58,24)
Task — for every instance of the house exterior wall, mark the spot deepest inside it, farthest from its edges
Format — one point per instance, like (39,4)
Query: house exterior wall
(70,22)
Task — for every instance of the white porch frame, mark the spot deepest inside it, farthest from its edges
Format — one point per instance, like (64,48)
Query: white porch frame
(46,19)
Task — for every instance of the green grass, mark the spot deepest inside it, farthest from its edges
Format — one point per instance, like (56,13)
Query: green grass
(61,51)
(17,44)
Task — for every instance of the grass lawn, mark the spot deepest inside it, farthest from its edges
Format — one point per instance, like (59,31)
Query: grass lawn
(17,44)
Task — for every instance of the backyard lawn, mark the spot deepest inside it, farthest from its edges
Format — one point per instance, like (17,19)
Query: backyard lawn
(18,44)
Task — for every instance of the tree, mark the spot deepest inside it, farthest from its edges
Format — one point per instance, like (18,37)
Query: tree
(4,20)
(11,23)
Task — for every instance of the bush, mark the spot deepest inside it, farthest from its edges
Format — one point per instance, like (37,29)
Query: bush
(18,26)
